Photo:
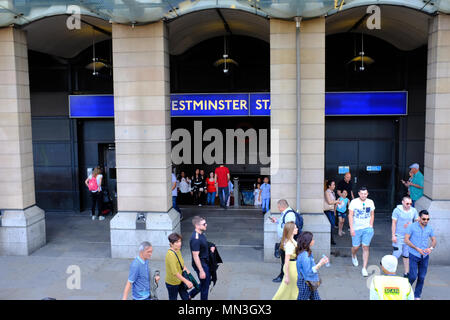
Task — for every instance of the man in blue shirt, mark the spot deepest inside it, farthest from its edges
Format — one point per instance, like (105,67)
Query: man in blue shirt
(264,195)
(416,237)
(139,276)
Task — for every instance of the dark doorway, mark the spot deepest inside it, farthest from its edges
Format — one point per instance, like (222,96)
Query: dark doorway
(368,148)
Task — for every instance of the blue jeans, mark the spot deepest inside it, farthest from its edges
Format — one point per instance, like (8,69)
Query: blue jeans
(223,198)
(265,205)
(204,283)
(330,216)
(174,204)
(175,290)
(211,198)
(417,270)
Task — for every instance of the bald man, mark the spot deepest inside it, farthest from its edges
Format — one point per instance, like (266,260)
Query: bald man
(346,184)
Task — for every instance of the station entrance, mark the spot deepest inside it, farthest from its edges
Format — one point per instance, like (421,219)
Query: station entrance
(231,61)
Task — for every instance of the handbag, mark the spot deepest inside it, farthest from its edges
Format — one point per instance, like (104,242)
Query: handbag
(313,285)
(277,250)
(186,275)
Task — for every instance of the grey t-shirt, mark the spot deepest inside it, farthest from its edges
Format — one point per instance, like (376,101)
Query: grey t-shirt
(403,217)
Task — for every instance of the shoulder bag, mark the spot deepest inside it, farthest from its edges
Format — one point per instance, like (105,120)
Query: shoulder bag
(186,275)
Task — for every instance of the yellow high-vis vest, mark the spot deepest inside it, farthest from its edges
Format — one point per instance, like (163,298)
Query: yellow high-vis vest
(392,288)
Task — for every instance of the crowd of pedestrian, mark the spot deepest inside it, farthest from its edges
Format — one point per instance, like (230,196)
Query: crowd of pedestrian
(299,275)
(201,190)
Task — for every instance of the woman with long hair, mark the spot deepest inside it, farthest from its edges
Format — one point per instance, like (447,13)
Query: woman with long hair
(307,271)
(94,184)
(288,288)
(329,205)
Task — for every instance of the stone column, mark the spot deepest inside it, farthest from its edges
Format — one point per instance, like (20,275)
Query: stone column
(284,108)
(22,228)
(142,131)
(437,134)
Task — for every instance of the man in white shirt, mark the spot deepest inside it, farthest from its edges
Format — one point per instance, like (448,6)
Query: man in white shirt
(287,215)
(360,218)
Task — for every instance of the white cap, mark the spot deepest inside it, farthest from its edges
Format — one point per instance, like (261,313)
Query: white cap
(389,262)
(414,166)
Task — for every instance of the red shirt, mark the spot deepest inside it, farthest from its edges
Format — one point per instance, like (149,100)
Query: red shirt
(222,179)
(211,185)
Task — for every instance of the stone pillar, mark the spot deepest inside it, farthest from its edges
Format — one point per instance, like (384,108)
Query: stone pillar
(437,134)
(22,228)
(142,133)
(284,108)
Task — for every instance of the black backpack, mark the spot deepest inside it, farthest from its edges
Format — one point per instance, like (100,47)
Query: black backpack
(298,222)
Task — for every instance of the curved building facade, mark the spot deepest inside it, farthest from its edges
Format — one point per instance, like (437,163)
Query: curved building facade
(304,58)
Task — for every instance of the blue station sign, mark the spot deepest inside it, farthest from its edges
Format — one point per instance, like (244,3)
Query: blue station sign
(219,105)
(249,104)
(91,106)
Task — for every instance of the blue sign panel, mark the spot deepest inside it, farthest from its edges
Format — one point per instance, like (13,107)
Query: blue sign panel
(343,169)
(253,104)
(206,105)
(373,168)
(87,106)
(260,104)
(365,103)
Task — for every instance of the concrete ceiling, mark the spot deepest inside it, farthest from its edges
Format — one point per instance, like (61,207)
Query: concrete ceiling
(405,28)
(402,27)
(191,29)
(50,35)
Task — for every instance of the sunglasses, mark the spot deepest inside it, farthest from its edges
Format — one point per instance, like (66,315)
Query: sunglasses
(425,219)
(408,203)
(203,224)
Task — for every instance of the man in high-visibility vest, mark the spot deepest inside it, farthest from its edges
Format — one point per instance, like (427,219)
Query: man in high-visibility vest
(389,286)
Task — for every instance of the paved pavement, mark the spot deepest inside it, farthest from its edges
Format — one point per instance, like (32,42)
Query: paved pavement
(74,239)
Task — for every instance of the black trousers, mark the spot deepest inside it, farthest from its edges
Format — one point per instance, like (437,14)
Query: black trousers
(282,257)
(96,200)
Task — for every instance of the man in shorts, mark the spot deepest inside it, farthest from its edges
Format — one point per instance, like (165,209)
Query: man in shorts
(402,216)
(360,218)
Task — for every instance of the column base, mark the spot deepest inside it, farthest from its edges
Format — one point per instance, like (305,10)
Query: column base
(22,231)
(316,223)
(125,239)
(440,221)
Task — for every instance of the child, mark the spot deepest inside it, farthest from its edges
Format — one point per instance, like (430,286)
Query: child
(341,209)
(264,195)
(257,202)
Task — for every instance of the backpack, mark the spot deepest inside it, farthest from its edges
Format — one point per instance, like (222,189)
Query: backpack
(92,183)
(298,222)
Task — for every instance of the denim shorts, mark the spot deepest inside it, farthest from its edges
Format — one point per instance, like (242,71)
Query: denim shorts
(363,236)
(400,249)
(341,214)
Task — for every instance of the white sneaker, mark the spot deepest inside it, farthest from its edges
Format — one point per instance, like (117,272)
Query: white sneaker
(101,218)
(355,261)
(364,272)
(93,218)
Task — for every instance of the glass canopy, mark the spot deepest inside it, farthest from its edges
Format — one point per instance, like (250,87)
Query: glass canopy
(22,12)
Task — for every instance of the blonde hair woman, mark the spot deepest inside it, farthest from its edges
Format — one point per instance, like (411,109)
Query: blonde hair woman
(288,289)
